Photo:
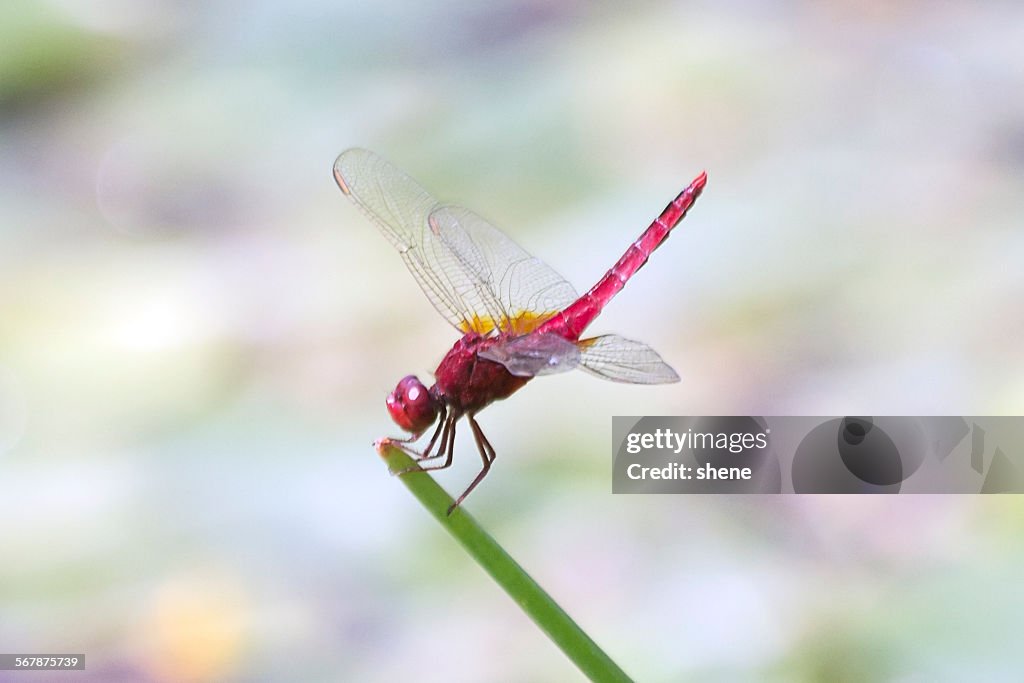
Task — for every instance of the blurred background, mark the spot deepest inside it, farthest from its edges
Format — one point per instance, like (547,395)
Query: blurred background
(197,332)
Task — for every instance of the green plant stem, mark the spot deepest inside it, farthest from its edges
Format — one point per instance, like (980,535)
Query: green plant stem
(540,607)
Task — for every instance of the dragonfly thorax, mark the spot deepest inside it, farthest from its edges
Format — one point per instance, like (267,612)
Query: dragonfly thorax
(412,406)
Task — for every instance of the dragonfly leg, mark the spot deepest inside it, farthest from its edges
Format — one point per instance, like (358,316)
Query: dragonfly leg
(441,422)
(412,438)
(424,454)
(447,449)
(486,455)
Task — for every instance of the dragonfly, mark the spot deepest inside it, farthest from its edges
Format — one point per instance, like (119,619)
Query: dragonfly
(517,318)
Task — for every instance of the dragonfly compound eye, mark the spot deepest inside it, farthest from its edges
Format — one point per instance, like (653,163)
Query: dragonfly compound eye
(411,405)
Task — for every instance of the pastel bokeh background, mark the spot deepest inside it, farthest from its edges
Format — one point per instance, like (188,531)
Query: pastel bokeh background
(197,331)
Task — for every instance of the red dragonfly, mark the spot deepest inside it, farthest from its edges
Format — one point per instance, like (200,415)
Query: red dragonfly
(518,318)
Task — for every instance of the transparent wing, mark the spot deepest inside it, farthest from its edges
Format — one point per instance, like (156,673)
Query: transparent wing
(534,354)
(401,209)
(619,359)
(510,290)
(474,275)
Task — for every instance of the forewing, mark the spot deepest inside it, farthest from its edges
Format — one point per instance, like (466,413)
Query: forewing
(534,354)
(510,290)
(619,359)
(401,209)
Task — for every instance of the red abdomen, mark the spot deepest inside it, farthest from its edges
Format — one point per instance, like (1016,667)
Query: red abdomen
(467,383)
(571,322)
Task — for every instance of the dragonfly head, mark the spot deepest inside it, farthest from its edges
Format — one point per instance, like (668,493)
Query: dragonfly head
(412,406)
